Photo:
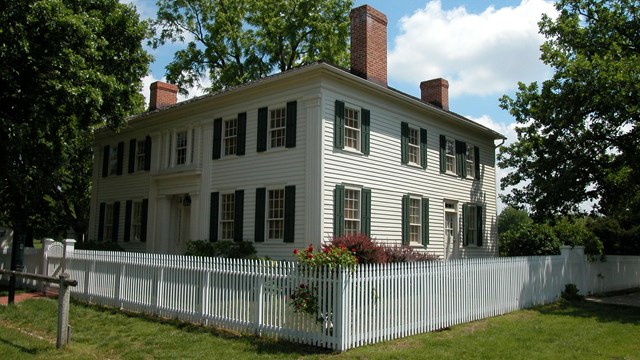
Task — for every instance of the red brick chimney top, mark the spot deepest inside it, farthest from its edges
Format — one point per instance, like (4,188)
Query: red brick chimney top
(369,44)
(162,94)
(435,92)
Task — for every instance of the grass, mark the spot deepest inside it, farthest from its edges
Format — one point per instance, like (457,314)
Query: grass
(580,330)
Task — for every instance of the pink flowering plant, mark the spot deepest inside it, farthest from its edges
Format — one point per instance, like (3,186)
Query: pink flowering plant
(304,299)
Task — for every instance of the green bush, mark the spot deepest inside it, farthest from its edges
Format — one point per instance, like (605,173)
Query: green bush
(528,240)
(571,293)
(511,218)
(98,245)
(225,249)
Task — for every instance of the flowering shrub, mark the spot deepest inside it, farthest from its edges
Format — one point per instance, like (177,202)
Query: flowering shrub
(330,256)
(367,251)
(305,299)
(406,254)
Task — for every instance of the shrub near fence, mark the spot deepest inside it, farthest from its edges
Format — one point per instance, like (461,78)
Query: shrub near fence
(374,303)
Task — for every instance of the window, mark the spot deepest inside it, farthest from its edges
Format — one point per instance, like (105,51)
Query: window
(351,211)
(414,146)
(471,162)
(136,221)
(275,215)
(415,220)
(108,222)
(113,161)
(230,136)
(227,209)
(181,147)
(472,224)
(352,128)
(140,155)
(450,156)
(277,127)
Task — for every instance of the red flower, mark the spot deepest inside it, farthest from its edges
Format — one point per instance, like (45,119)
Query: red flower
(301,286)
(295,251)
(353,250)
(310,255)
(310,247)
(293,296)
(325,250)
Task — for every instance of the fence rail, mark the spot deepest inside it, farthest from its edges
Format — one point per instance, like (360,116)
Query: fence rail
(372,304)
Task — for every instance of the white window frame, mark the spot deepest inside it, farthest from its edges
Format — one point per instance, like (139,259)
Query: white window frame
(229,137)
(450,156)
(275,214)
(357,130)
(140,155)
(113,160)
(413,149)
(108,222)
(136,220)
(470,162)
(415,205)
(277,128)
(471,229)
(352,223)
(227,216)
(180,149)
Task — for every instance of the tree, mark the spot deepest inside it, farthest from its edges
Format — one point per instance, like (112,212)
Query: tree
(68,67)
(236,41)
(511,218)
(578,133)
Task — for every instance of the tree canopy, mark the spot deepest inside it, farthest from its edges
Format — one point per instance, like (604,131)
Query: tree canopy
(67,67)
(235,41)
(578,135)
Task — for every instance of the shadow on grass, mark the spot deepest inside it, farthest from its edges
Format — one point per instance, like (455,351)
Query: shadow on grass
(261,345)
(19,347)
(586,309)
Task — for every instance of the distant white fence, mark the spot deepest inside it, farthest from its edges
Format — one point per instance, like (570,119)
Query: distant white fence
(372,304)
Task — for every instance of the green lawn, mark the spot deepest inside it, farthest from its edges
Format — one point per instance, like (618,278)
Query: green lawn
(558,331)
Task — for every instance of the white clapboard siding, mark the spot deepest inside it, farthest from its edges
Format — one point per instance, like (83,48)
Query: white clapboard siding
(374,303)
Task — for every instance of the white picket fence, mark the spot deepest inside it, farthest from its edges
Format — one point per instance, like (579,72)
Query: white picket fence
(372,304)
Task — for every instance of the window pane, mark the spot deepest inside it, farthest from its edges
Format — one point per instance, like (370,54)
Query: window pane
(181,148)
(140,155)
(352,128)
(414,219)
(227,213)
(136,221)
(352,211)
(414,146)
(471,159)
(451,156)
(277,127)
(275,214)
(113,161)
(230,136)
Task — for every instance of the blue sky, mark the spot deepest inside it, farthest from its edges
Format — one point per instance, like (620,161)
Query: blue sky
(482,47)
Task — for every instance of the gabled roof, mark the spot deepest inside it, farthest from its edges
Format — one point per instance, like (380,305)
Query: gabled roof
(336,71)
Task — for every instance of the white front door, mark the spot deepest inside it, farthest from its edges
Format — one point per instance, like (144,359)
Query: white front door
(450,238)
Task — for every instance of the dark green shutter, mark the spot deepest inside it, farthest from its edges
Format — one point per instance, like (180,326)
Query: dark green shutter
(425,221)
(261,194)
(120,158)
(289,213)
(213,216)
(292,115)
(404,133)
(217,138)
(338,211)
(242,134)
(101,221)
(365,220)
(423,148)
(105,160)
(116,220)
(443,154)
(406,201)
(479,225)
(144,214)
(366,131)
(476,153)
(132,155)
(238,216)
(338,128)
(147,153)
(461,158)
(465,237)
(263,114)
(127,220)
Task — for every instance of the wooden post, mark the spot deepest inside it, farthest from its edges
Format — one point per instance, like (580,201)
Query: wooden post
(63,312)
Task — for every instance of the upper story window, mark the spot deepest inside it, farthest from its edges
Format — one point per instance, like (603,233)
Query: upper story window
(450,156)
(414,146)
(352,128)
(230,139)
(181,147)
(113,161)
(471,162)
(227,211)
(277,127)
(140,155)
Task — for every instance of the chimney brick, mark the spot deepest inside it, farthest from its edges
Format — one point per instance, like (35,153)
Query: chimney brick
(369,44)
(436,92)
(162,95)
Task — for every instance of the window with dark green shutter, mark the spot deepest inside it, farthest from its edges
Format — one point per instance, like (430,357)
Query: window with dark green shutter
(476,164)
(472,224)
(338,211)
(289,213)
(213,216)
(479,225)
(461,155)
(147,153)
(425,221)
(105,160)
(406,199)
(144,214)
(263,114)
(366,132)
(338,128)
(242,134)
(423,148)
(120,158)
(127,220)
(238,221)
(443,154)
(132,156)
(261,194)
(404,133)
(217,138)
(292,115)
(366,212)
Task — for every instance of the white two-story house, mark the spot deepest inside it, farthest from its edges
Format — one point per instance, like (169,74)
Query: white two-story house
(297,158)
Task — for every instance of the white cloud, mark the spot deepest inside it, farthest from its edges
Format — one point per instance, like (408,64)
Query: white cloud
(479,54)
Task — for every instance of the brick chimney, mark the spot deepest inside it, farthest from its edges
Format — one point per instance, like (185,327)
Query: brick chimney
(369,44)
(162,95)
(435,92)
